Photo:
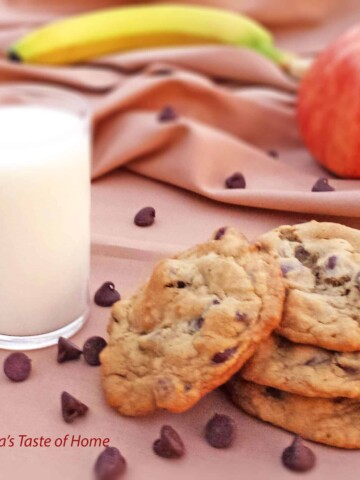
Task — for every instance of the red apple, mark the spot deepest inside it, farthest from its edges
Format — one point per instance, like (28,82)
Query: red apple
(329,106)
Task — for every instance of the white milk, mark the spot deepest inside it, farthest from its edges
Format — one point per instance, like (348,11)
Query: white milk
(44,219)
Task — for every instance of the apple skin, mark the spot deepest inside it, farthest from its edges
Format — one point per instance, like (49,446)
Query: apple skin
(329,106)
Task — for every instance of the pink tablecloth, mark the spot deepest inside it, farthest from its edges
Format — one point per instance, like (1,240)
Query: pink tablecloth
(201,150)
(233,105)
(126,254)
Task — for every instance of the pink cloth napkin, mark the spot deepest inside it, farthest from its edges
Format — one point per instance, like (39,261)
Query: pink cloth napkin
(233,105)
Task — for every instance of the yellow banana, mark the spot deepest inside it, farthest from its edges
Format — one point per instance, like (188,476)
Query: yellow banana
(87,36)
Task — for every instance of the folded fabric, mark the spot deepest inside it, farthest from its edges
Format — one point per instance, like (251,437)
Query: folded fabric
(271,12)
(235,113)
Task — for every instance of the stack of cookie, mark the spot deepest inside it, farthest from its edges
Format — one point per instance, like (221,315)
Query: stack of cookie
(306,377)
(290,303)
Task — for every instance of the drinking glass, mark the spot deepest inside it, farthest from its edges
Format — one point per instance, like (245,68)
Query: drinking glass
(45,152)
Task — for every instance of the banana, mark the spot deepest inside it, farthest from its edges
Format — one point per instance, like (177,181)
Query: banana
(103,32)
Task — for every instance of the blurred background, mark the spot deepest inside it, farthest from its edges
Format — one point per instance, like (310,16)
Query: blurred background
(303,25)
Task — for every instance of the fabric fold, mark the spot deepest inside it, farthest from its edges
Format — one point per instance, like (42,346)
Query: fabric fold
(236,111)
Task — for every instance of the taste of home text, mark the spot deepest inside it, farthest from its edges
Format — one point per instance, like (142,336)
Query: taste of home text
(67,440)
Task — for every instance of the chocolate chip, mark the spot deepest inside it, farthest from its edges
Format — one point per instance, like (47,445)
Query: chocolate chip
(285,269)
(331,262)
(67,350)
(282,342)
(237,180)
(92,349)
(145,217)
(298,457)
(169,445)
(17,367)
(14,56)
(163,71)
(322,185)
(289,234)
(220,233)
(200,322)
(110,464)
(180,284)
(311,362)
(220,431)
(338,282)
(357,280)
(216,302)
(164,387)
(316,360)
(196,324)
(317,274)
(221,357)
(273,153)
(71,407)
(301,254)
(241,317)
(106,295)
(349,369)
(168,114)
(274,393)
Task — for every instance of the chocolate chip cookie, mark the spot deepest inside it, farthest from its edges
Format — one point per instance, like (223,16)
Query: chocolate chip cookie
(321,268)
(192,325)
(304,369)
(331,421)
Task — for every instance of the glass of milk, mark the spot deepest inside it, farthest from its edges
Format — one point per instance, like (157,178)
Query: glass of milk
(44,215)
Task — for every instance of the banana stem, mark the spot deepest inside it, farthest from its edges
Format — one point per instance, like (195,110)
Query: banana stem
(294,65)
(298,66)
